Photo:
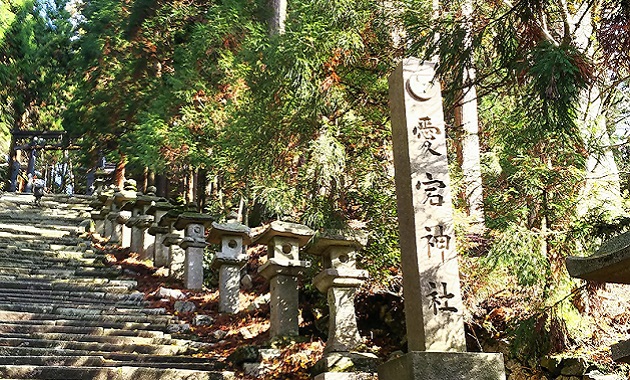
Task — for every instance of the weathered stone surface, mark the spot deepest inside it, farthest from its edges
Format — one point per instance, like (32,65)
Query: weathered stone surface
(620,352)
(343,333)
(443,366)
(229,288)
(596,375)
(611,263)
(184,306)
(433,301)
(245,354)
(346,362)
(186,218)
(346,376)
(573,367)
(284,306)
(202,320)
(170,293)
(551,364)
(350,238)
(302,233)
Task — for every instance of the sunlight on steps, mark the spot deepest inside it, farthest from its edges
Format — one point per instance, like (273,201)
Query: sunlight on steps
(65,315)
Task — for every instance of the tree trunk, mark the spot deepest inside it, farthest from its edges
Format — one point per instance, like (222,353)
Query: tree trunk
(467,117)
(602,190)
(190,185)
(119,174)
(278,18)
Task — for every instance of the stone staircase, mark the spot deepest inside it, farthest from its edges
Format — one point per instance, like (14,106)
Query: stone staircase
(65,315)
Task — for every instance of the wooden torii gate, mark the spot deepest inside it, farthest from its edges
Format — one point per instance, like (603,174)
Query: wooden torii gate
(33,142)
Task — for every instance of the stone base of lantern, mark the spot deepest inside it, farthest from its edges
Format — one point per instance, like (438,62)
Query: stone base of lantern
(422,365)
(353,365)
(229,283)
(283,278)
(193,264)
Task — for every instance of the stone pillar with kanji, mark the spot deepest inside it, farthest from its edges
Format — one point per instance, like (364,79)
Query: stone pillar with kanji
(283,270)
(233,239)
(431,285)
(194,244)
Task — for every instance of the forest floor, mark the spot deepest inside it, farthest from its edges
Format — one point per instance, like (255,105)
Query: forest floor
(380,317)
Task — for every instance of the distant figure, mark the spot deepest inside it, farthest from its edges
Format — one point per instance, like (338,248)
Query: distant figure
(38,189)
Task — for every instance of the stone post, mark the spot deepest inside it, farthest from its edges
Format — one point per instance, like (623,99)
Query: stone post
(283,269)
(233,238)
(161,257)
(433,300)
(194,243)
(30,170)
(172,239)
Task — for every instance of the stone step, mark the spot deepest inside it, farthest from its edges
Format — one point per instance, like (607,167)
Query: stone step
(155,349)
(76,284)
(57,360)
(61,273)
(14,295)
(112,339)
(72,309)
(108,373)
(95,330)
(10,317)
(134,297)
(80,303)
(21,262)
(79,314)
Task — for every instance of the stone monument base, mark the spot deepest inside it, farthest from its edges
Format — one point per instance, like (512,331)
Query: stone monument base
(352,364)
(422,365)
(346,376)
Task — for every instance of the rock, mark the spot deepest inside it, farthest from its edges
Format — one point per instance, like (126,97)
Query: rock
(596,375)
(256,370)
(551,364)
(170,293)
(244,354)
(395,354)
(178,328)
(573,367)
(184,306)
(203,320)
(246,334)
(219,334)
(247,283)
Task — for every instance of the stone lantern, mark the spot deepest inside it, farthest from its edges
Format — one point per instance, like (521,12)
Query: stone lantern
(142,242)
(121,234)
(161,256)
(233,238)
(194,243)
(171,240)
(283,269)
(339,280)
